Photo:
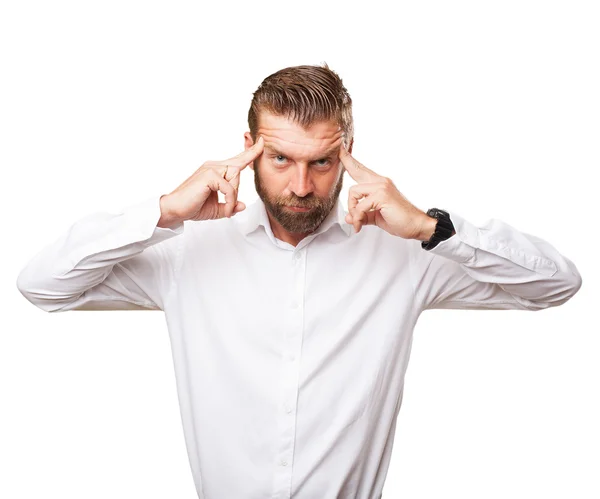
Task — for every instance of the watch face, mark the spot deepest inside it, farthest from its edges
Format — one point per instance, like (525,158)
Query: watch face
(443,229)
(437,213)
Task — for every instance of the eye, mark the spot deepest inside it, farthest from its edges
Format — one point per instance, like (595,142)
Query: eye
(322,162)
(277,158)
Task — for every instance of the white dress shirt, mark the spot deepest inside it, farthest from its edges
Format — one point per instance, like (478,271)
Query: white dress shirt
(290,361)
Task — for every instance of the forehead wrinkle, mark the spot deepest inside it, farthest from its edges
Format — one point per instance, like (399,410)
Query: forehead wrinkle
(319,130)
(296,135)
(277,145)
(299,140)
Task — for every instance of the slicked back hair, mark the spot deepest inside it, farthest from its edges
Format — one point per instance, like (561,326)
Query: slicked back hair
(305,95)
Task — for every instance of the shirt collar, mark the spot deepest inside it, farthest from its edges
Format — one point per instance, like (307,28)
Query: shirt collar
(256,215)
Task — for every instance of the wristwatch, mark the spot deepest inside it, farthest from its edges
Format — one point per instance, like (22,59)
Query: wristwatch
(443,229)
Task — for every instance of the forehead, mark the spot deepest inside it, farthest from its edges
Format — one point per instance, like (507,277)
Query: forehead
(286,136)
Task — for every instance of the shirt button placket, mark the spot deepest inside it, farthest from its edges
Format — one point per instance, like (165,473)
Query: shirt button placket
(293,344)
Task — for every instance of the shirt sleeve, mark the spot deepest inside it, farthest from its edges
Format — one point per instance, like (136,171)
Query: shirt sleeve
(492,267)
(106,262)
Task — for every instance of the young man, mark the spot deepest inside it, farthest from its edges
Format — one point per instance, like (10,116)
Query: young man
(291,319)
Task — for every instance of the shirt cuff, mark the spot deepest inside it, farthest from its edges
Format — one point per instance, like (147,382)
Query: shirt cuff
(142,218)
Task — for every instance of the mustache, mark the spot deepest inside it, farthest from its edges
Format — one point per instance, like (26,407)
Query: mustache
(301,203)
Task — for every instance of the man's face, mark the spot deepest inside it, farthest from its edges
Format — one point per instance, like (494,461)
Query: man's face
(298,168)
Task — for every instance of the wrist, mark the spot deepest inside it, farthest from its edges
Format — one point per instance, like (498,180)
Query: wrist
(427,228)
(167,217)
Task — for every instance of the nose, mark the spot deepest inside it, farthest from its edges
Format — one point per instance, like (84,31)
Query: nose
(301,184)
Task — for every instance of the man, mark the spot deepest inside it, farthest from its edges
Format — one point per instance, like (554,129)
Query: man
(291,320)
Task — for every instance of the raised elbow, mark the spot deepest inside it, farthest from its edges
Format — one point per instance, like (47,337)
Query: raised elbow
(567,287)
(575,283)
(34,292)
(23,284)
(26,287)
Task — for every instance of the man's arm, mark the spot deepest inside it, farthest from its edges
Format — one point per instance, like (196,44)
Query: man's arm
(492,267)
(106,262)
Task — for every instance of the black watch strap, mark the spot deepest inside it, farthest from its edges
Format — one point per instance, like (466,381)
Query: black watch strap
(443,229)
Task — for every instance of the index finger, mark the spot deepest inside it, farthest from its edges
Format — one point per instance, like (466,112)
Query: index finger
(356,169)
(246,157)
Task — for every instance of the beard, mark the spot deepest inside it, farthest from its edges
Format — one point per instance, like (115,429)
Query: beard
(295,221)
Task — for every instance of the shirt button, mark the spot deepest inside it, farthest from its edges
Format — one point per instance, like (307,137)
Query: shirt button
(298,256)
(284,463)
(288,409)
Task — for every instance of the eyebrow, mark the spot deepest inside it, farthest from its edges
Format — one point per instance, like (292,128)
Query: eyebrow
(327,154)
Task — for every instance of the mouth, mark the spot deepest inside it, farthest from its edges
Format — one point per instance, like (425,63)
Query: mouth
(297,208)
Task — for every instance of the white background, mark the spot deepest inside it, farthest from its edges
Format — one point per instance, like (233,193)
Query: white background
(490,109)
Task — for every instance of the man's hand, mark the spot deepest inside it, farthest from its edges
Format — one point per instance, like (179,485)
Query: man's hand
(376,201)
(198,197)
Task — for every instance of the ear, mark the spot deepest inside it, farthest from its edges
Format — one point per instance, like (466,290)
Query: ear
(248,143)
(351,144)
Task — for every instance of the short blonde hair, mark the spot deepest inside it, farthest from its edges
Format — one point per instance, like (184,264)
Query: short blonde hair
(306,95)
